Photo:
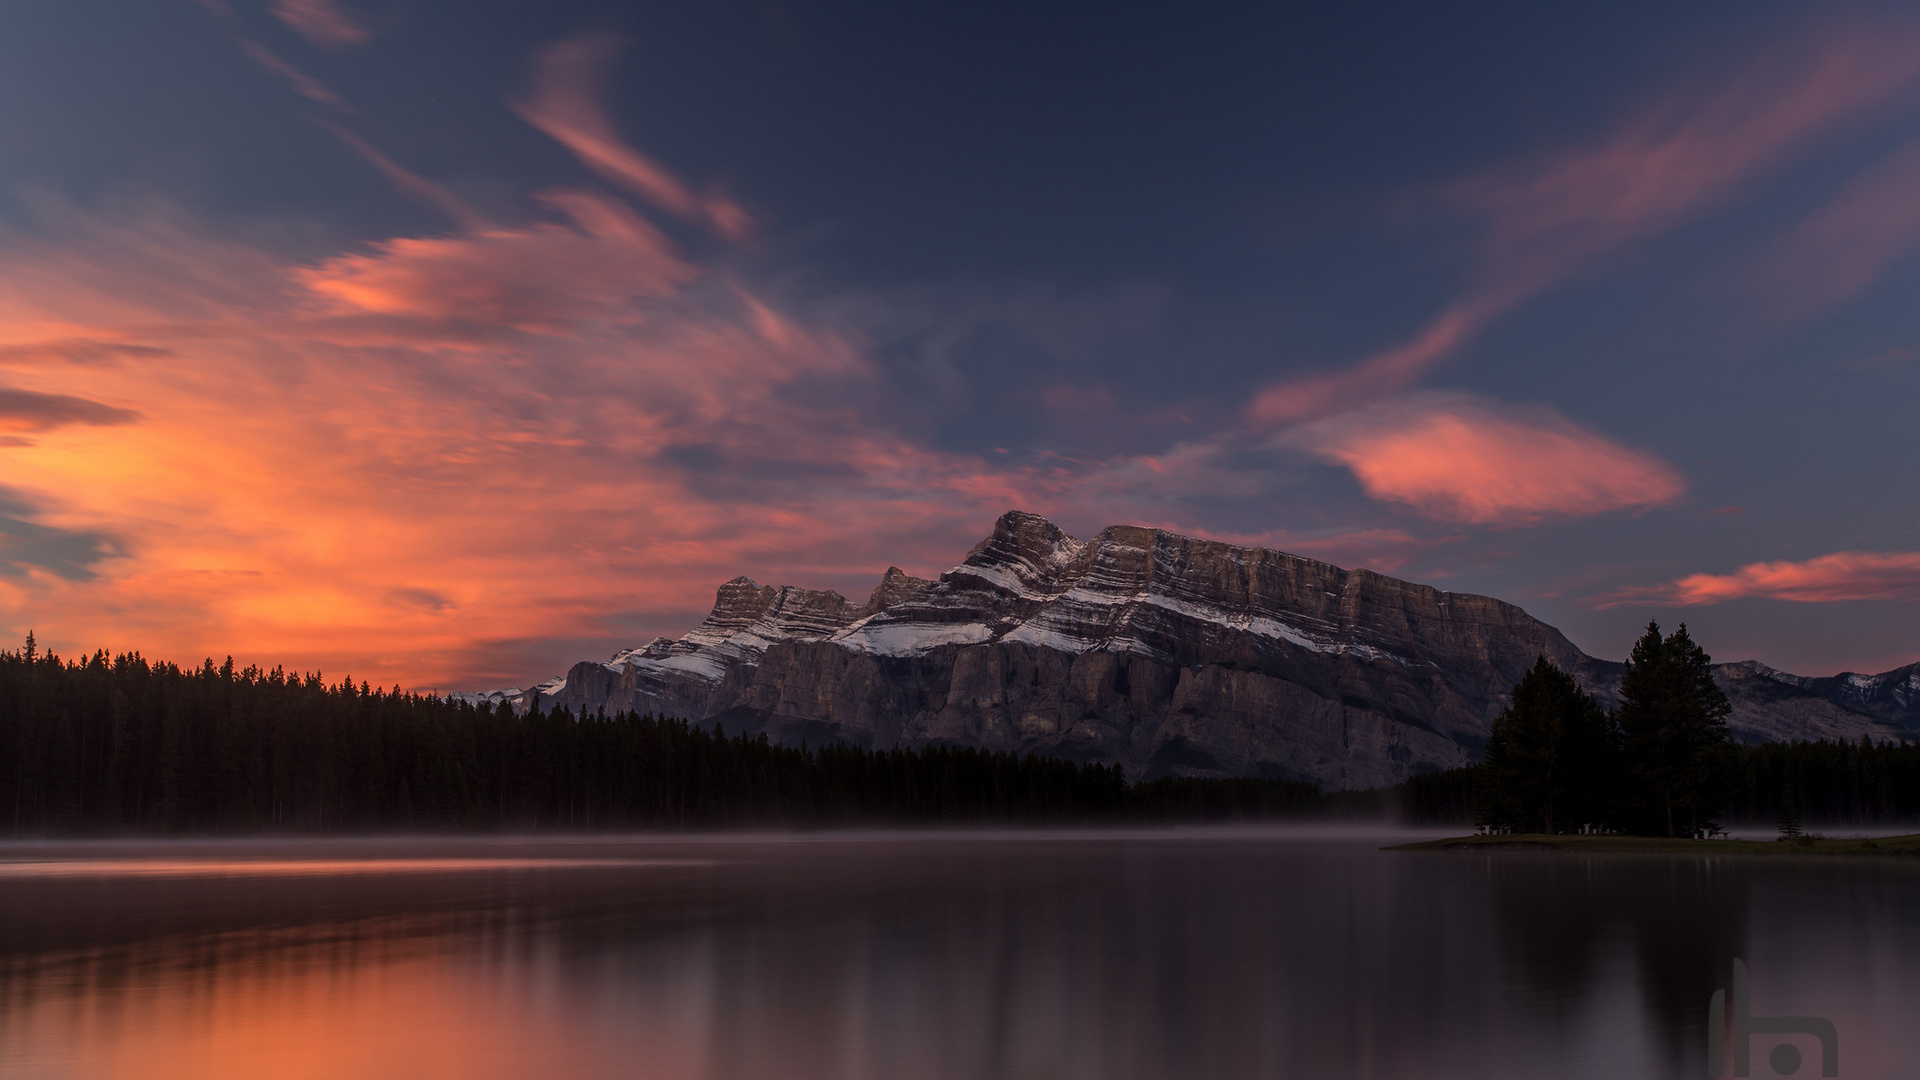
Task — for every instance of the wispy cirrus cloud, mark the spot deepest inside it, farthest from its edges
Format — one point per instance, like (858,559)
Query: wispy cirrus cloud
(322,22)
(1847,245)
(30,550)
(1550,216)
(27,410)
(565,104)
(1463,458)
(83,351)
(303,84)
(1841,576)
(409,183)
(535,276)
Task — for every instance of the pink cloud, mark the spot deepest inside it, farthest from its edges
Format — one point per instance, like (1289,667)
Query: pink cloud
(409,183)
(321,22)
(565,105)
(1843,575)
(1382,373)
(1849,243)
(302,83)
(1550,216)
(1461,458)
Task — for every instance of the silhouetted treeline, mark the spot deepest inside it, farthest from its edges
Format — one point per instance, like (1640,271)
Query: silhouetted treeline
(1828,783)
(1664,762)
(122,744)
(1437,798)
(1660,764)
(126,744)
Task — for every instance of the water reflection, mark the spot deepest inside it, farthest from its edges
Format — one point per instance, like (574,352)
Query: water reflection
(1567,921)
(935,957)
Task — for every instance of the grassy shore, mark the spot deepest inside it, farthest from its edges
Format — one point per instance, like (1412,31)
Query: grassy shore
(1606,845)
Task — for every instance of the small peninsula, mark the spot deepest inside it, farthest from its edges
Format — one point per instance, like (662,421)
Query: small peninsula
(1908,844)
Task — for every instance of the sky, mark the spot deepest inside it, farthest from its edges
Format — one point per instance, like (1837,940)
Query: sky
(443,344)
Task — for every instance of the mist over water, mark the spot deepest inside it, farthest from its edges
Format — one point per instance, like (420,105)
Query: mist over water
(1183,953)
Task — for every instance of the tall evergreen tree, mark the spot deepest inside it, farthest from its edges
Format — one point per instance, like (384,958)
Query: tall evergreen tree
(1548,758)
(1673,727)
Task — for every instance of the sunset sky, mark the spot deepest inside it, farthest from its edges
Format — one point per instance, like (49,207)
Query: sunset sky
(446,343)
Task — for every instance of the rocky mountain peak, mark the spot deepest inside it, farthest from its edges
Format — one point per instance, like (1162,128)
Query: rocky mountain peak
(739,602)
(1161,652)
(1022,539)
(896,587)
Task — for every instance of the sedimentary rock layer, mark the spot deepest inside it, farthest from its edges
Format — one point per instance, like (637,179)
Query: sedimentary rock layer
(1161,652)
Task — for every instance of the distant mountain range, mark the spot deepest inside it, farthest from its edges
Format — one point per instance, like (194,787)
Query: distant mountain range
(1164,653)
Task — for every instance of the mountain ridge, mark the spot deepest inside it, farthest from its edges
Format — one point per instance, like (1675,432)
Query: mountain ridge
(1160,652)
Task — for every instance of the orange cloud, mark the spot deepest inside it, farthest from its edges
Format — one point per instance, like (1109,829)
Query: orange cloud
(531,277)
(1547,217)
(1467,459)
(565,105)
(322,22)
(384,460)
(1843,575)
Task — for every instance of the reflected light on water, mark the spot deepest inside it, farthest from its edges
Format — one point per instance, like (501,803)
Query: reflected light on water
(139,868)
(421,1018)
(1097,957)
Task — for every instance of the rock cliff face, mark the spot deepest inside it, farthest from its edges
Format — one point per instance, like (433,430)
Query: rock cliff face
(1161,652)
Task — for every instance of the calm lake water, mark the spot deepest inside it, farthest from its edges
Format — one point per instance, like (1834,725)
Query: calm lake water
(1097,955)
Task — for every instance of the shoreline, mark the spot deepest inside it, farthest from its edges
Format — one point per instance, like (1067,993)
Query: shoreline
(1908,844)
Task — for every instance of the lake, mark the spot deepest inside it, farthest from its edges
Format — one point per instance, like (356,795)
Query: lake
(1281,953)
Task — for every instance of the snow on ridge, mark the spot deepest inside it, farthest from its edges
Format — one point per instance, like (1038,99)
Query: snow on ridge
(906,638)
(1093,597)
(1001,578)
(1101,593)
(1263,625)
(483,697)
(1029,633)
(1065,550)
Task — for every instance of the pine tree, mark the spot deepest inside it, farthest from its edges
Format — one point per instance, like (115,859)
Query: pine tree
(1789,815)
(1548,758)
(1675,741)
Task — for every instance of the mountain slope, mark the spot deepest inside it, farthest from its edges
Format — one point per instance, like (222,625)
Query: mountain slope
(1161,652)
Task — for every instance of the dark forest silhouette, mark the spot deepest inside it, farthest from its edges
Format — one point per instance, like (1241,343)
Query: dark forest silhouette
(121,744)
(1664,762)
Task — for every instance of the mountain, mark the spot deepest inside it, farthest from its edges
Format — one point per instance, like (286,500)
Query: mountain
(1161,652)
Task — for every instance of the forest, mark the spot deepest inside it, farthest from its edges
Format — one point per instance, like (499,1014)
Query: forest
(117,745)
(1664,763)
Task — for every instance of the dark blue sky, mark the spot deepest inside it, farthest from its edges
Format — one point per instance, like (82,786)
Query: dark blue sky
(523,325)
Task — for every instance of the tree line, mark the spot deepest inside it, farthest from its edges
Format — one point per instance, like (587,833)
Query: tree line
(121,744)
(1663,763)
(115,744)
